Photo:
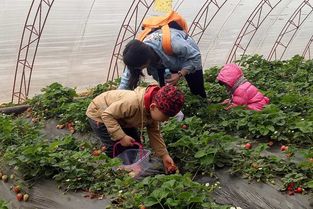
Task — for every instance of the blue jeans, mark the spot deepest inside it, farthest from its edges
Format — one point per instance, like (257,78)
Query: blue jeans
(105,138)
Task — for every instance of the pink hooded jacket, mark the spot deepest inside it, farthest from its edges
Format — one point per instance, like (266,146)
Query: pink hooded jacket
(242,91)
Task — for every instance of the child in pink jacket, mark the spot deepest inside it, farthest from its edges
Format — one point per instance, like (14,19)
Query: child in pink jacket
(242,92)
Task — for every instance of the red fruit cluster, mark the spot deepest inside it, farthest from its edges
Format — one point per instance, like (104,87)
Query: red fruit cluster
(69,126)
(19,195)
(291,189)
(22,197)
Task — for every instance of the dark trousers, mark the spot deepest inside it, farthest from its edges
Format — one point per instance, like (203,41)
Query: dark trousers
(194,80)
(105,138)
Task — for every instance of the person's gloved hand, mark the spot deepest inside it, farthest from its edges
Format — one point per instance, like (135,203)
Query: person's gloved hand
(127,141)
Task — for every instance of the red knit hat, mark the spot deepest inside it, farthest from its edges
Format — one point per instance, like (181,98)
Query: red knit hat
(169,100)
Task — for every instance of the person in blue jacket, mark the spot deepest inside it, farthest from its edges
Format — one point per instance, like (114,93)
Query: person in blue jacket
(184,62)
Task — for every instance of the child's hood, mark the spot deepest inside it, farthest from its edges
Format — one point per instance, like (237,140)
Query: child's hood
(229,74)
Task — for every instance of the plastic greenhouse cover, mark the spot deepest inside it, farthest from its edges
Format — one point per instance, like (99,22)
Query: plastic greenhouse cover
(79,36)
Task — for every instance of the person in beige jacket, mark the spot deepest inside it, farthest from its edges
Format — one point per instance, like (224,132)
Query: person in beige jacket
(116,115)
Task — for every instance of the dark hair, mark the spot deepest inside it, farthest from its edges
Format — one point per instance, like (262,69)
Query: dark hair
(135,55)
(135,74)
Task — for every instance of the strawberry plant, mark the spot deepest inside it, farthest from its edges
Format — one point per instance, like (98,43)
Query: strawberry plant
(67,108)
(297,180)
(3,204)
(100,88)
(75,112)
(210,137)
(251,165)
(50,103)
(172,191)
(16,132)
(195,148)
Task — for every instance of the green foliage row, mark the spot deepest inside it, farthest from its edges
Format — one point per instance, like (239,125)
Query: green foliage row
(289,117)
(3,204)
(66,159)
(71,164)
(213,133)
(65,105)
(197,149)
(168,191)
(212,139)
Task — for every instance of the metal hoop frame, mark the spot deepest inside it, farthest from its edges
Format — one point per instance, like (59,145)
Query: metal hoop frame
(289,31)
(252,24)
(127,31)
(201,22)
(32,32)
(307,50)
(39,11)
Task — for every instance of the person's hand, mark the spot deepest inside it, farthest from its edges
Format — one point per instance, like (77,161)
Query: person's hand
(127,141)
(174,79)
(169,164)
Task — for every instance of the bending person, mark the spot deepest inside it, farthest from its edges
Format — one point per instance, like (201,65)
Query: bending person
(184,62)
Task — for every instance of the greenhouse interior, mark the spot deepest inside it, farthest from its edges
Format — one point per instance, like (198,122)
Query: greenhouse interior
(161,104)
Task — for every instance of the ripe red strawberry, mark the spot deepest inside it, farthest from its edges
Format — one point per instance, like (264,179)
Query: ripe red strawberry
(248,146)
(16,189)
(184,126)
(291,186)
(283,148)
(298,190)
(96,152)
(19,196)
(69,125)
